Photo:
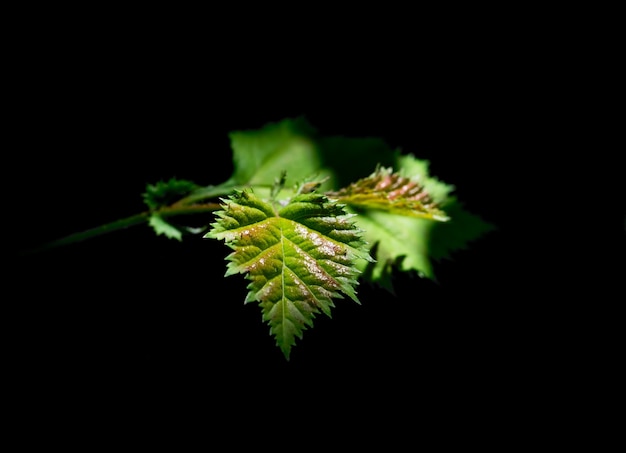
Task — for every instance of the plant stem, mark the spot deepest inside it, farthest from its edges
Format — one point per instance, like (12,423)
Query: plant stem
(137,219)
(92,232)
(191,204)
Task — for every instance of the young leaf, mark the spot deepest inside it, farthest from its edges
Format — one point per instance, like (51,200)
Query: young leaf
(409,243)
(392,192)
(298,257)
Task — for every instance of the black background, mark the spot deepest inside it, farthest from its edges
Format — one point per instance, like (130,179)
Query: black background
(142,319)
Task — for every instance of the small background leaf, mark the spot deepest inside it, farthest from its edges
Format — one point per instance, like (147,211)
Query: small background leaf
(295,147)
(163,193)
(259,156)
(162,227)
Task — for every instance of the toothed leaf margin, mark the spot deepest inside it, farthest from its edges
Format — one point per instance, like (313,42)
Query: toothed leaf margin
(298,257)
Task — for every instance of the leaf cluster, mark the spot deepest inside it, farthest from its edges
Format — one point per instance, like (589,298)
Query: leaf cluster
(307,216)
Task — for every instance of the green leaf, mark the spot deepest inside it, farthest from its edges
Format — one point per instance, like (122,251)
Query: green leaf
(163,193)
(407,243)
(284,147)
(400,242)
(295,147)
(162,227)
(447,239)
(299,255)
(463,228)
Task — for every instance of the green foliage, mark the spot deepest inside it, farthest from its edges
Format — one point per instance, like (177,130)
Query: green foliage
(295,147)
(164,193)
(285,216)
(405,218)
(309,216)
(162,227)
(399,229)
(259,156)
(406,243)
(298,257)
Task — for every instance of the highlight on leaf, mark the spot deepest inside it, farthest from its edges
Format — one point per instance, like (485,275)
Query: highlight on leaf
(298,257)
(390,191)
